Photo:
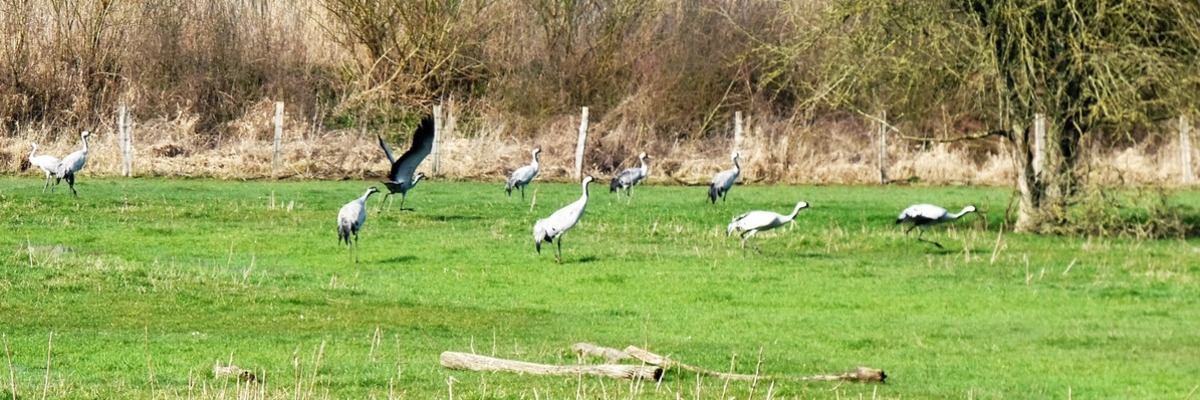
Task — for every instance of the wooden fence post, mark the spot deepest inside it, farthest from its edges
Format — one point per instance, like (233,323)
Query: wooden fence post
(278,137)
(437,139)
(883,130)
(1185,144)
(124,141)
(738,135)
(1039,143)
(583,126)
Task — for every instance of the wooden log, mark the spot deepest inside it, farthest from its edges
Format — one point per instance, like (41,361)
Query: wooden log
(1185,148)
(609,354)
(475,362)
(883,129)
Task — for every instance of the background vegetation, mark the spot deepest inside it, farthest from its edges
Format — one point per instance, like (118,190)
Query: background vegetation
(663,76)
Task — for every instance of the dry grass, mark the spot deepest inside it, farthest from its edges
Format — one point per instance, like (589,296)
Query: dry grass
(488,148)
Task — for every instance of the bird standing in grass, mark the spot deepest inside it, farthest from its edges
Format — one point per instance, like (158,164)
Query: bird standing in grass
(757,221)
(351,218)
(72,164)
(48,164)
(400,177)
(925,215)
(551,228)
(723,181)
(522,176)
(630,177)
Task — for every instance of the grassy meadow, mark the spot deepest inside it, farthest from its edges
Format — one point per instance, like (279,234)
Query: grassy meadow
(136,289)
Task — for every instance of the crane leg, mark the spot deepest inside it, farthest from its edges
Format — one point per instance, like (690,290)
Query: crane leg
(47,182)
(384,201)
(404,196)
(558,253)
(939,245)
(71,183)
(522,193)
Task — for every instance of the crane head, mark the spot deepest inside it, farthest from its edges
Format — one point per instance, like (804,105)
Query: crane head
(643,156)
(588,179)
(372,189)
(536,150)
(736,155)
(969,209)
(85,134)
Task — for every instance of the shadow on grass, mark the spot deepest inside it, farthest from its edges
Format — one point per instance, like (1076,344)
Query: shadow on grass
(587,259)
(398,260)
(450,218)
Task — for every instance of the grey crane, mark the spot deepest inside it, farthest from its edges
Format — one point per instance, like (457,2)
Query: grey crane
(551,228)
(630,177)
(522,176)
(757,221)
(925,215)
(72,164)
(351,218)
(47,163)
(723,181)
(400,177)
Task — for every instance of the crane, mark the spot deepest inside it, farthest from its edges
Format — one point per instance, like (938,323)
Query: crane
(630,177)
(351,218)
(47,163)
(72,164)
(522,176)
(551,228)
(925,215)
(757,221)
(400,177)
(723,181)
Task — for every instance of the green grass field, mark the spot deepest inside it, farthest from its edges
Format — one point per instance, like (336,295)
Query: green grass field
(144,284)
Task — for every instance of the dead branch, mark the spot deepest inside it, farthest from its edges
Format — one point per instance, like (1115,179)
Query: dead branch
(609,354)
(860,374)
(475,362)
(655,359)
(902,135)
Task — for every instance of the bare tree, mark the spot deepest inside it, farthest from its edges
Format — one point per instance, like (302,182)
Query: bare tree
(1092,67)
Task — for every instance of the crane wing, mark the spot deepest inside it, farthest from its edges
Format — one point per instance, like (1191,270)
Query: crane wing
(386,150)
(422,145)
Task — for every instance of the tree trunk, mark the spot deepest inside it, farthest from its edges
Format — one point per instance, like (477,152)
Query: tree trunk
(1045,194)
(1027,185)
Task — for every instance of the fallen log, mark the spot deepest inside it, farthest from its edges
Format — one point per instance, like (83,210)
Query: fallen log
(860,374)
(475,362)
(609,354)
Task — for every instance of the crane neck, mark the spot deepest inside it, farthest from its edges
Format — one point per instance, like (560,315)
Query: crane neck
(736,166)
(31,152)
(964,211)
(535,161)
(585,189)
(365,196)
(645,167)
(85,143)
(795,211)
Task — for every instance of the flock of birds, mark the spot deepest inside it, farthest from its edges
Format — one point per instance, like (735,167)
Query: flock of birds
(403,177)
